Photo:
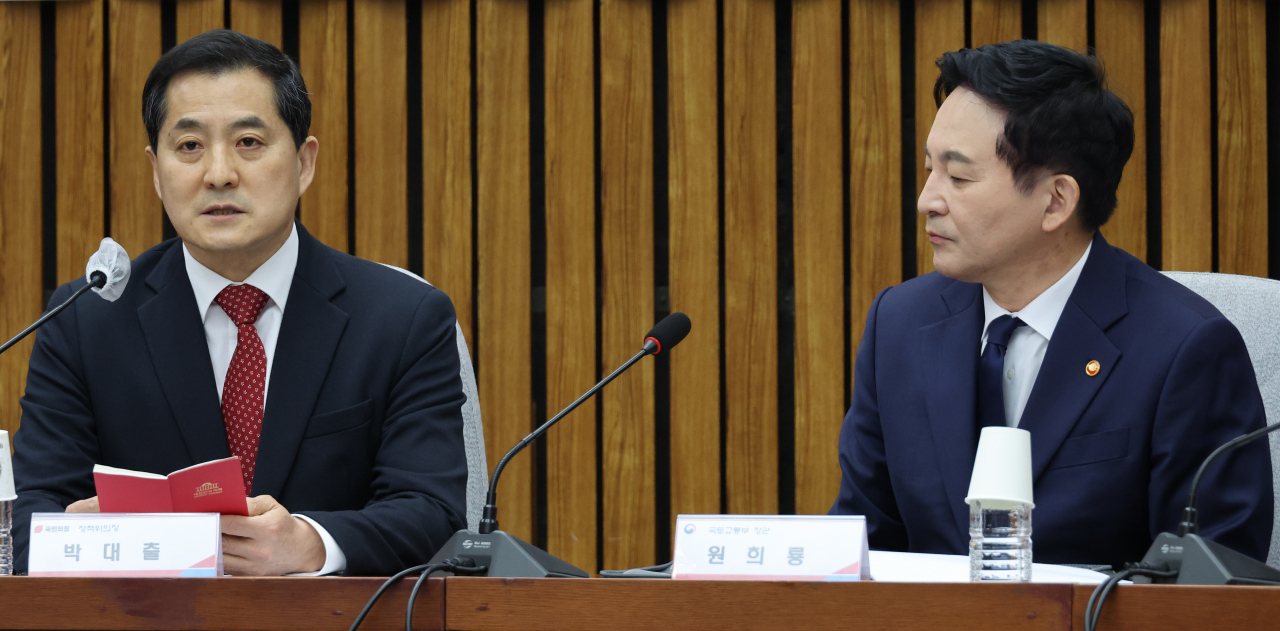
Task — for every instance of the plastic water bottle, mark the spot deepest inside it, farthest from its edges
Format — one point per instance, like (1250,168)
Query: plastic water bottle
(999,541)
(6,539)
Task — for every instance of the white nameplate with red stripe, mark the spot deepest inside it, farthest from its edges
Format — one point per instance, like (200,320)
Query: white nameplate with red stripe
(126,544)
(771,548)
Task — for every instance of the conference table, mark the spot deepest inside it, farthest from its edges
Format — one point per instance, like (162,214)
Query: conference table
(298,604)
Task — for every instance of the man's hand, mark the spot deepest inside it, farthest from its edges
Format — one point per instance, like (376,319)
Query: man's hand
(86,506)
(269,542)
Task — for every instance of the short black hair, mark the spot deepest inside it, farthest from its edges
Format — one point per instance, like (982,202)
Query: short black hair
(220,51)
(1059,116)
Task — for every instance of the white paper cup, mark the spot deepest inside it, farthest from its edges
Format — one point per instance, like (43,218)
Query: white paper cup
(1002,470)
(6,470)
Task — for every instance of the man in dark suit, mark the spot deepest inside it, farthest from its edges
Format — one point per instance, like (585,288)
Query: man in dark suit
(1125,379)
(335,380)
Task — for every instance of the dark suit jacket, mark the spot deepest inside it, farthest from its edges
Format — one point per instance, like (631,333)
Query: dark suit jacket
(1112,455)
(362,430)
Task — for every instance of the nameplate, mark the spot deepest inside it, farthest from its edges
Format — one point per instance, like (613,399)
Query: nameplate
(125,544)
(771,548)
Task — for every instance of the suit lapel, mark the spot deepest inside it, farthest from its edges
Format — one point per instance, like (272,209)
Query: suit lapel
(309,335)
(174,332)
(949,350)
(1063,390)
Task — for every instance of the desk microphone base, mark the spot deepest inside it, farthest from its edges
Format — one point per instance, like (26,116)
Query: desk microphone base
(1203,562)
(506,556)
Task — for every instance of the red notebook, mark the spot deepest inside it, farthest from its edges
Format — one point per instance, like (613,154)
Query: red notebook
(216,486)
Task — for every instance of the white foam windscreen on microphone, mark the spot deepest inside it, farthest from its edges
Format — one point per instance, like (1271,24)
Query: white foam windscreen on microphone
(113,262)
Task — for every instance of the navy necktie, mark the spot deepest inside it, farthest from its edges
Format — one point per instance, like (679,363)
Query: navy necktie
(991,371)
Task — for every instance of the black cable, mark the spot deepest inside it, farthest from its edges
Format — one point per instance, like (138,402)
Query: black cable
(1190,520)
(425,569)
(1099,595)
(463,566)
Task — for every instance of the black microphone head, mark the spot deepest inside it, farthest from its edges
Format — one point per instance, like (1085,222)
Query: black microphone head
(667,333)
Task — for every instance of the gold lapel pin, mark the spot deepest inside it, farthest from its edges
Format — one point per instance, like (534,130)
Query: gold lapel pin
(1092,368)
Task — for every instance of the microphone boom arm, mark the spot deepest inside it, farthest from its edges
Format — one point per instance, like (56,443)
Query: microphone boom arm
(489,521)
(99,279)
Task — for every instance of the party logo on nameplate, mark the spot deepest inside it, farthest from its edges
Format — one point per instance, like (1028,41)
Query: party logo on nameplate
(771,548)
(126,544)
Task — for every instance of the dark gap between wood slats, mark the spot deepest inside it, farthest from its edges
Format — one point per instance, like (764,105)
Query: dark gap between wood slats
(292,22)
(968,23)
(1273,143)
(475,194)
(786,287)
(1030,19)
(1213,131)
(168,39)
(1091,28)
(226,14)
(538,254)
(351,134)
(724,391)
(106,122)
(414,158)
(846,210)
(598,155)
(907,53)
(661,281)
(1155,247)
(48,150)
(291,41)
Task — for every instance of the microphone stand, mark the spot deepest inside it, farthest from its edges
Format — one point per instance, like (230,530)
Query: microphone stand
(98,281)
(508,556)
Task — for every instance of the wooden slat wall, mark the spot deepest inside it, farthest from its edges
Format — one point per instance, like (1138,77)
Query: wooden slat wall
(818,174)
(20,204)
(571,278)
(750,258)
(616,114)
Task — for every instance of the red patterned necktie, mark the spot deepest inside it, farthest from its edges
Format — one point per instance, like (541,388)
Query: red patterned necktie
(244,388)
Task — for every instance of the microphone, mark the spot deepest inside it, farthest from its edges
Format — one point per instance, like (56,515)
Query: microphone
(107,272)
(507,556)
(1198,561)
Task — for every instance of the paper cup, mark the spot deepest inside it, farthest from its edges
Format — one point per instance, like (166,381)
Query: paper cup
(6,470)
(1002,469)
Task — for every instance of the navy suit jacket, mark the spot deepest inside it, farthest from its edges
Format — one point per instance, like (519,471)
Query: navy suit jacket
(362,430)
(1112,455)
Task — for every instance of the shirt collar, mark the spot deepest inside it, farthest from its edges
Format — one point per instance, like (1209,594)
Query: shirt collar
(1042,313)
(274,277)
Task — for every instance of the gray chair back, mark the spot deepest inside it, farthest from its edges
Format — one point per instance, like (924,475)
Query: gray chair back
(472,428)
(1253,305)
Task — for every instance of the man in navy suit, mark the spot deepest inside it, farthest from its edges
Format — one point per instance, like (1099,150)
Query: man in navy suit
(1125,379)
(335,380)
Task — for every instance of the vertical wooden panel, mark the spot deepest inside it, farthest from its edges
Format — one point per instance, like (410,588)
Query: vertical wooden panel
(134,40)
(263,19)
(875,159)
(381,118)
(571,279)
(1065,23)
(20,173)
(939,29)
(80,152)
(1185,140)
(694,246)
(504,354)
(1242,137)
(626,154)
(1118,34)
(995,21)
(446,149)
(194,17)
(322,53)
(750,257)
(818,172)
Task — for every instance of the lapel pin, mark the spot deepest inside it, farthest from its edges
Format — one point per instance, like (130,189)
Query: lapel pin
(1092,368)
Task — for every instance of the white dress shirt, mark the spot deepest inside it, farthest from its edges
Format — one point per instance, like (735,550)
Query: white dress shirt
(274,277)
(1026,349)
